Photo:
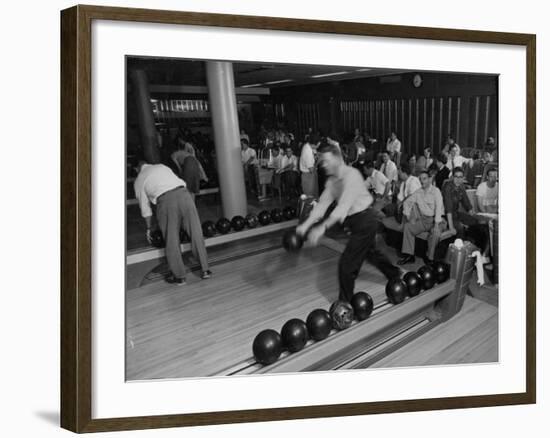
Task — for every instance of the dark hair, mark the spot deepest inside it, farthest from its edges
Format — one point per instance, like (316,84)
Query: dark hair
(421,171)
(405,168)
(442,157)
(492,169)
(330,148)
(276,148)
(244,140)
(458,169)
(369,165)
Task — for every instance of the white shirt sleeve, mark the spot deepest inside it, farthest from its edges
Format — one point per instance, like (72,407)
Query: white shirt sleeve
(142,198)
(414,185)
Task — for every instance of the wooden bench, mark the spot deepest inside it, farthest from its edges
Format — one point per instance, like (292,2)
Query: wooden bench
(394,238)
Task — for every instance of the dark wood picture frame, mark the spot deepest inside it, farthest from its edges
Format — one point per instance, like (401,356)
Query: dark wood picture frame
(76,214)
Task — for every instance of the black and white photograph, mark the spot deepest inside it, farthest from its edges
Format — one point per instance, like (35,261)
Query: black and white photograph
(283,218)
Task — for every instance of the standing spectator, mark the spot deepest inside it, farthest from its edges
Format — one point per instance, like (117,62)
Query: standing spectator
(393,146)
(250,164)
(307,166)
(275,163)
(245,136)
(289,173)
(454,196)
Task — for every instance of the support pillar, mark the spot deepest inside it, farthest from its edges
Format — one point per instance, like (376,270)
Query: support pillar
(147,129)
(225,124)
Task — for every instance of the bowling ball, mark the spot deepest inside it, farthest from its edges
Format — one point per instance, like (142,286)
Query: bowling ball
(413,282)
(362,305)
(294,334)
(319,324)
(292,242)
(223,225)
(238,223)
(341,313)
(396,290)
(251,220)
(289,213)
(442,271)
(184,237)
(277,215)
(427,275)
(208,229)
(267,346)
(264,217)
(156,239)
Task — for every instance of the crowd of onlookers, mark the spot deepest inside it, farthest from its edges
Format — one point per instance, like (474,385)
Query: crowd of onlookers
(437,191)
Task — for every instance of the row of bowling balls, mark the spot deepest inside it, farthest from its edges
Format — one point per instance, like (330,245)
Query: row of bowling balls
(238,223)
(413,283)
(268,345)
(158,241)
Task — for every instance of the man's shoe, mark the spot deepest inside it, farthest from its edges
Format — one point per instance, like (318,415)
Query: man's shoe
(177,281)
(428,261)
(206,274)
(406,259)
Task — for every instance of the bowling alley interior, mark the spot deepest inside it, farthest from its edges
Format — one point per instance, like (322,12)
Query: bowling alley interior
(240,142)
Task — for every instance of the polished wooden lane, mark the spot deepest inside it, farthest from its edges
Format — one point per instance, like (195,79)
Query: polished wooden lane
(207,326)
(471,336)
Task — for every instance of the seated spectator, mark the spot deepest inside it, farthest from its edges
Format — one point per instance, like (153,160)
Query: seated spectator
(487,193)
(425,161)
(251,167)
(490,143)
(475,176)
(423,211)
(289,173)
(358,154)
(442,171)
(449,143)
(408,185)
(412,164)
(457,160)
(389,169)
(455,196)
(379,185)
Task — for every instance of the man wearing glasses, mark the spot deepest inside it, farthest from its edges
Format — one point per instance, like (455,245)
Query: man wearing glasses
(454,196)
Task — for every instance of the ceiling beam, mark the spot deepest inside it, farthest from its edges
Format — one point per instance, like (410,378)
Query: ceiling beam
(190,89)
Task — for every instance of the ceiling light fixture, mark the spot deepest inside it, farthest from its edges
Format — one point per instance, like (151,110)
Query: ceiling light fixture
(278,82)
(324,75)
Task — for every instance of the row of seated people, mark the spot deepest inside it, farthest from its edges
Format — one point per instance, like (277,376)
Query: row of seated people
(434,203)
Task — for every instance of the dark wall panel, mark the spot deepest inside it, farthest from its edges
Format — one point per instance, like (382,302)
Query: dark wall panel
(461,105)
